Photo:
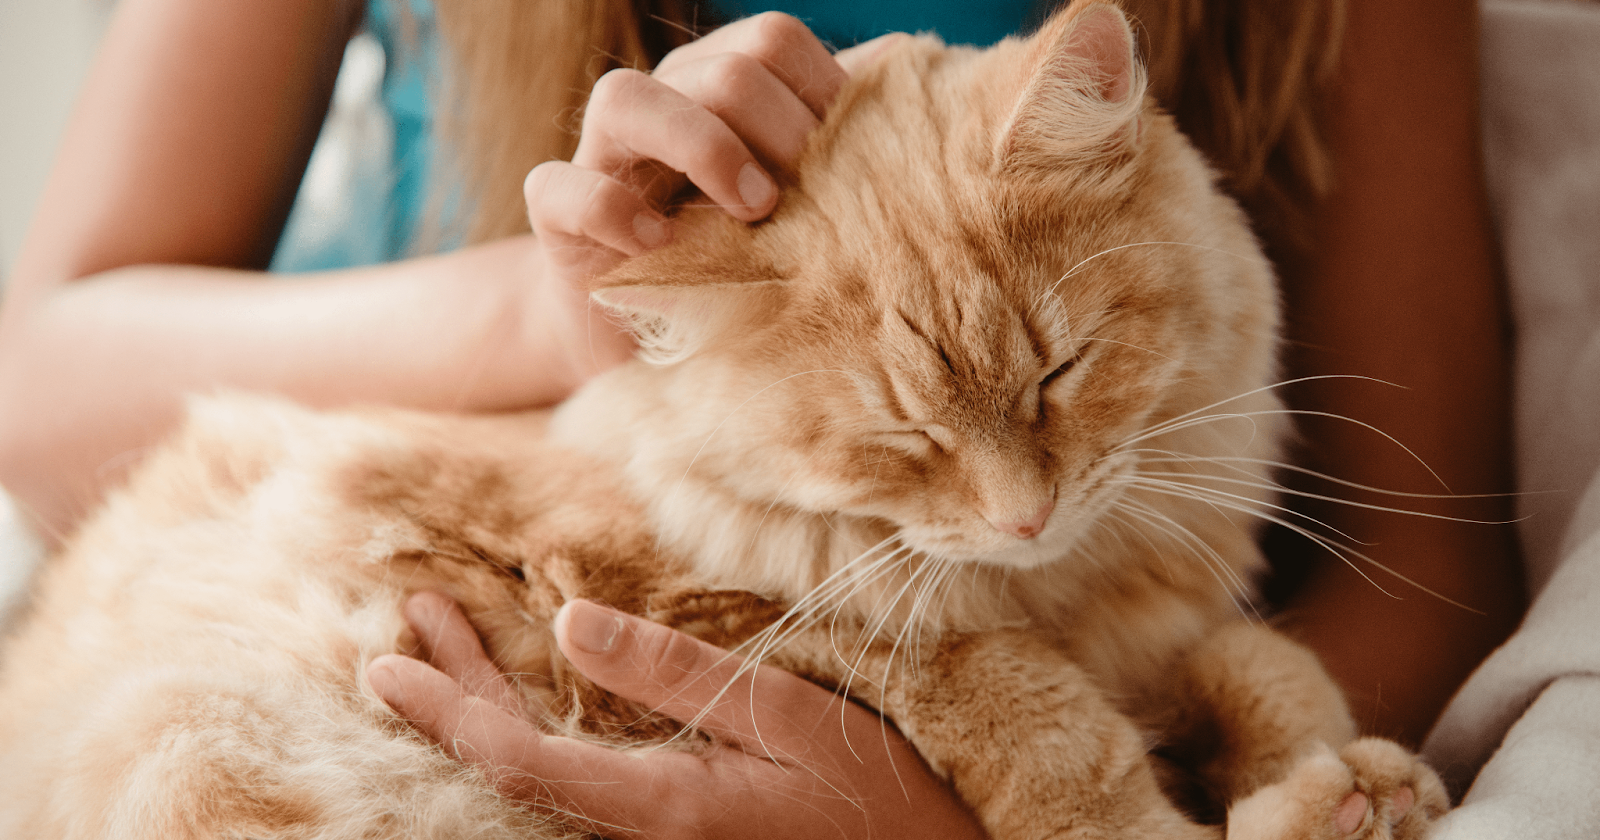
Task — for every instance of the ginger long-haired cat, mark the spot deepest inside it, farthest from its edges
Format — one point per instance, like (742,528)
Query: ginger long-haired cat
(973,427)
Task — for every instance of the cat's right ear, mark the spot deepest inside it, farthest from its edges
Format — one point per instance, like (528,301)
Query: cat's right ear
(1083,94)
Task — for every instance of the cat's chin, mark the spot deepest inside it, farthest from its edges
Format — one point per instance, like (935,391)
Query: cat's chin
(1031,554)
(1028,554)
(1047,548)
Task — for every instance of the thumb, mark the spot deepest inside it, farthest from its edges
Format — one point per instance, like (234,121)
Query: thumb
(762,709)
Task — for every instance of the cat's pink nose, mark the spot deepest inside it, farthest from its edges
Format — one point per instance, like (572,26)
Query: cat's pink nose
(1029,528)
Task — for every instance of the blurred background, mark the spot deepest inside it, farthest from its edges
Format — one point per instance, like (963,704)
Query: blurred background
(45,49)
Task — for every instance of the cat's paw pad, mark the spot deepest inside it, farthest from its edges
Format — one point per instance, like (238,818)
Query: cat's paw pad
(1352,812)
(1405,796)
(1371,790)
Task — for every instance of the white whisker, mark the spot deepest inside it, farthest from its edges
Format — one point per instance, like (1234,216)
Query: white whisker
(1304,494)
(1340,550)
(1301,412)
(1254,391)
(1206,550)
(1148,480)
(1229,460)
(1225,575)
(1191,423)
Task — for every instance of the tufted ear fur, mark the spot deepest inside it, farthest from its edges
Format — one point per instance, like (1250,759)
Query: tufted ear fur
(672,322)
(707,283)
(1084,94)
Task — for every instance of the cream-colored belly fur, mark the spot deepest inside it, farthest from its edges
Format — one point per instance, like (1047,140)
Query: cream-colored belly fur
(191,666)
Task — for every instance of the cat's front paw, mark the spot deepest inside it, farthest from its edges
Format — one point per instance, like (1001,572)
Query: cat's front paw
(1371,790)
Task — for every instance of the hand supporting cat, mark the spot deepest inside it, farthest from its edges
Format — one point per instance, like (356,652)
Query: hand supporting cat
(777,776)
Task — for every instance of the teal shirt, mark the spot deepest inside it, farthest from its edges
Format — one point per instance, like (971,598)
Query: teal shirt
(846,22)
(380,219)
(405,96)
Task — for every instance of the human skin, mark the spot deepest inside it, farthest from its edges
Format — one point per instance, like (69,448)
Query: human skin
(792,761)
(1403,286)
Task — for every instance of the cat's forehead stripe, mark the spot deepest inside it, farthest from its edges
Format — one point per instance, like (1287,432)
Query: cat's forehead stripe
(937,346)
(1037,340)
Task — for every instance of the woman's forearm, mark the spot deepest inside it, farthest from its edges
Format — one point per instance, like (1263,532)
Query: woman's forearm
(95,370)
(134,285)
(1405,288)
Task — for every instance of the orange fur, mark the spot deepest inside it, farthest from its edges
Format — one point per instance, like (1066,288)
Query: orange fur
(939,433)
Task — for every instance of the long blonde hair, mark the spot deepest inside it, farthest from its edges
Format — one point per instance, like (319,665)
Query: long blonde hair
(1243,78)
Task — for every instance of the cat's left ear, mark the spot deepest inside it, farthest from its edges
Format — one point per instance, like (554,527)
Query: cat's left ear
(708,284)
(1084,92)
(672,322)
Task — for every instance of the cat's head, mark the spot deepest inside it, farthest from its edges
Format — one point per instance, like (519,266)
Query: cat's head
(990,271)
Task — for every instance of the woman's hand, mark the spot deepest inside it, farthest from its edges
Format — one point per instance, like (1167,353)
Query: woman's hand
(722,113)
(792,760)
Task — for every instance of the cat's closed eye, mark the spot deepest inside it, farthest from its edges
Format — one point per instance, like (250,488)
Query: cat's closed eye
(915,442)
(1057,374)
(1060,371)
(921,441)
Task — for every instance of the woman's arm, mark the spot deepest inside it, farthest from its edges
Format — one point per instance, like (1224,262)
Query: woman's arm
(93,370)
(185,147)
(134,285)
(189,137)
(1405,287)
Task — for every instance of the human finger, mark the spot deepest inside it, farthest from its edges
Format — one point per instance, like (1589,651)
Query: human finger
(450,644)
(724,792)
(633,117)
(448,713)
(763,710)
(467,726)
(606,788)
(568,202)
(784,44)
(804,762)
(741,91)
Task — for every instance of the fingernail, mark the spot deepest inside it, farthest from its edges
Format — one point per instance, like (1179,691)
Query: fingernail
(591,628)
(385,682)
(755,187)
(650,230)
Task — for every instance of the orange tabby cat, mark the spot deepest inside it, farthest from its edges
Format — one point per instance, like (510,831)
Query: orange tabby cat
(980,416)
